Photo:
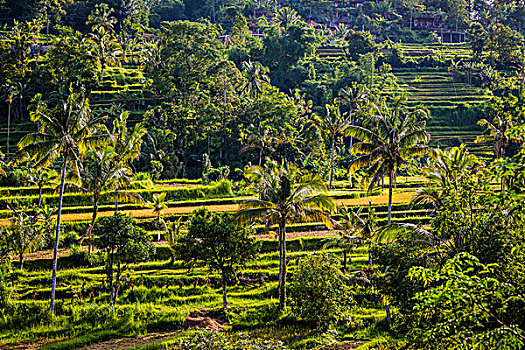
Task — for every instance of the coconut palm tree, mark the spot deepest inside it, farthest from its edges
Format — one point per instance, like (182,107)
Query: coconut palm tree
(24,234)
(104,48)
(126,142)
(388,139)
(287,16)
(102,17)
(259,138)
(285,194)
(42,178)
(333,122)
(256,78)
(66,133)
(497,133)
(347,232)
(9,96)
(353,97)
(444,172)
(99,176)
(159,204)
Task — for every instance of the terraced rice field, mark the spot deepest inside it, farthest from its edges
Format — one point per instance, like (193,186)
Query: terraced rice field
(174,296)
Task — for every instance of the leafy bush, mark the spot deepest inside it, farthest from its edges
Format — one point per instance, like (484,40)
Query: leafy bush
(209,340)
(319,291)
(464,307)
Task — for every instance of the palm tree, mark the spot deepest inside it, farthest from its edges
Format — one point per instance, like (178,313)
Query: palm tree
(285,194)
(341,31)
(353,228)
(259,138)
(67,132)
(9,95)
(333,123)
(346,233)
(159,204)
(256,78)
(444,171)
(127,144)
(287,16)
(392,137)
(99,176)
(353,97)
(24,235)
(42,178)
(102,18)
(497,133)
(104,48)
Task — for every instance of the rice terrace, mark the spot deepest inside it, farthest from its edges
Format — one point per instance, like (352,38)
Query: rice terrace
(262,174)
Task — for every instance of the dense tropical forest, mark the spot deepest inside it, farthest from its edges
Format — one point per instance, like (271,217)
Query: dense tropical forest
(262,174)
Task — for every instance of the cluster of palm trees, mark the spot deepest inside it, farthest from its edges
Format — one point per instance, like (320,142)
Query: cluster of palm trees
(91,157)
(387,138)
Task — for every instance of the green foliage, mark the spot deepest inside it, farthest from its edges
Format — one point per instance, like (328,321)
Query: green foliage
(204,340)
(69,62)
(215,240)
(319,291)
(282,50)
(464,306)
(357,43)
(75,320)
(24,235)
(124,242)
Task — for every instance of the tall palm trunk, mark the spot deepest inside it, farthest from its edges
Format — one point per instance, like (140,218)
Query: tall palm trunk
(261,155)
(349,173)
(390,186)
(93,219)
(102,73)
(116,195)
(39,196)
(55,249)
(282,264)
(332,150)
(8,129)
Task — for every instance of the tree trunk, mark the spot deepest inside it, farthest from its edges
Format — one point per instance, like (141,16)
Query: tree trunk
(282,264)
(224,299)
(8,129)
(21,258)
(102,74)
(351,144)
(502,178)
(39,196)
(260,156)
(55,249)
(158,232)
(332,161)
(345,253)
(390,185)
(110,277)
(117,287)
(93,219)
(116,196)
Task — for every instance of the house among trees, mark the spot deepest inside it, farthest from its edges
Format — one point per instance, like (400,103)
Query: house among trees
(452,36)
(427,21)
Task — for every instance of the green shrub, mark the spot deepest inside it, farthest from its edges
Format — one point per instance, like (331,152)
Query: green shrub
(319,291)
(209,340)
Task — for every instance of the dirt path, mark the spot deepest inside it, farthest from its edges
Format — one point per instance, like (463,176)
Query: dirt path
(197,320)
(131,343)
